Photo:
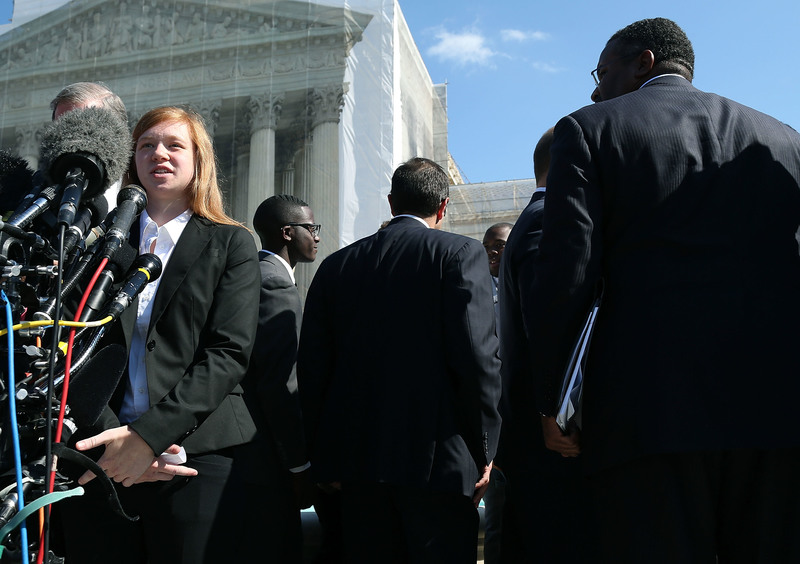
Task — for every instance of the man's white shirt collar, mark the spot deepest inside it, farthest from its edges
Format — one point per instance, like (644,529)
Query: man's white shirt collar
(659,76)
(283,262)
(422,221)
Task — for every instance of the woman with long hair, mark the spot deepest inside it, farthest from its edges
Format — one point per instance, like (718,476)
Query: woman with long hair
(189,337)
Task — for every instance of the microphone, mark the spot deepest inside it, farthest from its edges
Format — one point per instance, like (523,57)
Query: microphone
(85,151)
(131,200)
(89,216)
(99,230)
(42,202)
(147,269)
(118,265)
(16,180)
(37,243)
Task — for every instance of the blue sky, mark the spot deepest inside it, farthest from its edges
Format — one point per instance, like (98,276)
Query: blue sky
(514,67)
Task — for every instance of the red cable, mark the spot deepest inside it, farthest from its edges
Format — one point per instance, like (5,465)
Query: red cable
(65,389)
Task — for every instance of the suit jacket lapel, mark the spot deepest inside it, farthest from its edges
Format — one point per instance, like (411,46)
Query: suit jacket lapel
(190,248)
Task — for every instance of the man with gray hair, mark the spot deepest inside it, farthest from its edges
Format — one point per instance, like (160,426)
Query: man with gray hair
(79,95)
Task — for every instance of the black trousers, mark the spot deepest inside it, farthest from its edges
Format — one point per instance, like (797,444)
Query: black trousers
(733,506)
(396,524)
(547,518)
(210,518)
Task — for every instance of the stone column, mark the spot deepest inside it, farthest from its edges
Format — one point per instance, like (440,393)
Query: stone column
(321,171)
(290,144)
(264,113)
(239,203)
(28,142)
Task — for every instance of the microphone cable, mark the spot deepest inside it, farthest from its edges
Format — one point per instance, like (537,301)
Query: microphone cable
(64,392)
(49,322)
(12,406)
(44,537)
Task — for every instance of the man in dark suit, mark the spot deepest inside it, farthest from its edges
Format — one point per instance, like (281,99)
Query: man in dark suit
(285,225)
(544,490)
(399,380)
(687,206)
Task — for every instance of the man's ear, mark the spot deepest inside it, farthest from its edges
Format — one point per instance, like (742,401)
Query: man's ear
(442,211)
(286,233)
(646,60)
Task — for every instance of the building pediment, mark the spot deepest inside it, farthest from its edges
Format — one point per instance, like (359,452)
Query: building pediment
(106,33)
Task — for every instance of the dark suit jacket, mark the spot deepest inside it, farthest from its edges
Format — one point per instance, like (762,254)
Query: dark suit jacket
(688,205)
(398,370)
(271,383)
(521,442)
(201,334)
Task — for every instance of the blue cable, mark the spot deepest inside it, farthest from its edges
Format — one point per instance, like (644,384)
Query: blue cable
(12,406)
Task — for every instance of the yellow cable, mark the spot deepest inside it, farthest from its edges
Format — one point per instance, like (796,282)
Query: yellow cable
(49,322)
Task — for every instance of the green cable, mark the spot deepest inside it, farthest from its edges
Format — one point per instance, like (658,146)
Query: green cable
(34,506)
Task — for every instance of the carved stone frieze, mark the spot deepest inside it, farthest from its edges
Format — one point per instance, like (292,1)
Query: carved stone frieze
(111,28)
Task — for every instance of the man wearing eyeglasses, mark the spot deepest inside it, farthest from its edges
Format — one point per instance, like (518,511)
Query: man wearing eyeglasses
(399,380)
(285,225)
(687,206)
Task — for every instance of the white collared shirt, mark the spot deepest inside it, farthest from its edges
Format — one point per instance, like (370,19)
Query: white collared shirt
(283,262)
(422,221)
(161,241)
(659,76)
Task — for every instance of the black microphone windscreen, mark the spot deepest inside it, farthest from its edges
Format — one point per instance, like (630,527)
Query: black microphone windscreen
(94,384)
(16,180)
(99,208)
(95,133)
(122,261)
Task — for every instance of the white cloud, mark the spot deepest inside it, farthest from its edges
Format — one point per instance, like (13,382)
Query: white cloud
(545,67)
(463,48)
(522,36)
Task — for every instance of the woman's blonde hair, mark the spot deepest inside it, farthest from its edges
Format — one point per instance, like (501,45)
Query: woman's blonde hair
(205,197)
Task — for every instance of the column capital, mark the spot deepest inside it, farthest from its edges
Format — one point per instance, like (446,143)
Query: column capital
(324,104)
(265,110)
(210,109)
(28,139)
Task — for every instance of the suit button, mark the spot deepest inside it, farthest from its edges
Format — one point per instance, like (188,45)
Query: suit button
(151,345)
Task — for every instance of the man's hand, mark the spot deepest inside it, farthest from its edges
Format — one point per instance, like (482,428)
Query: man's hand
(162,471)
(126,457)
(482,485)
(555,439)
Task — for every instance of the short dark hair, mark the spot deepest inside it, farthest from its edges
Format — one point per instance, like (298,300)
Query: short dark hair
(668,42)
(541,156)
(275,212)
(419,186)
(505,224)
(84,92)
